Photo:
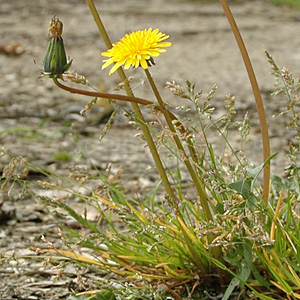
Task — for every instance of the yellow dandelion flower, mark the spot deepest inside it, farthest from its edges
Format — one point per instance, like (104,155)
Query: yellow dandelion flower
(136,49)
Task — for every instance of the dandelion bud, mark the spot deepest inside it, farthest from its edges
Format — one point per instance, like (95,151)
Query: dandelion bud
(55,61)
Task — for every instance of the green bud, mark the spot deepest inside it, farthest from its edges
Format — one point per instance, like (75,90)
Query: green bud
(55,61)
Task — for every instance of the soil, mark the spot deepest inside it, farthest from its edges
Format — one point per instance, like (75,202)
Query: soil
(37,119)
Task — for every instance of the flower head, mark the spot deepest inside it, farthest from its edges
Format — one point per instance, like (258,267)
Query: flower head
(136,49)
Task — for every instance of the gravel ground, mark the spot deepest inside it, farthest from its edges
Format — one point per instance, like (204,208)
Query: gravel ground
(36,117)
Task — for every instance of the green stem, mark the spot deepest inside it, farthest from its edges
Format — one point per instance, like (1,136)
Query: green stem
(204,200)
(135,106)
(198,183)
(257,96)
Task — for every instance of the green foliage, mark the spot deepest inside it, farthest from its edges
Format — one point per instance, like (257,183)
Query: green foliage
(291,3)
(105,295)
(62,156)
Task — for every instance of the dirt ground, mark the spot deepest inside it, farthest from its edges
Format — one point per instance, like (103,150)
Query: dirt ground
(36,118)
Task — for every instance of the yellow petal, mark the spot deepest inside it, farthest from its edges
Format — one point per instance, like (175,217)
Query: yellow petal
(135,49)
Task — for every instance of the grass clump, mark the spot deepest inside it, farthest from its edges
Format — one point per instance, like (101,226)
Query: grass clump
(292,3)
(295,4)
(62,156)
(230,234)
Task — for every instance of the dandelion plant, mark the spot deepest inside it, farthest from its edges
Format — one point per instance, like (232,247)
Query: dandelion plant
(208,223)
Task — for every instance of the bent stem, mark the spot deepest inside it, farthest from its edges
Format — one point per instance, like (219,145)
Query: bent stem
(137,100)
(135,106)
(102,95)
(257,96)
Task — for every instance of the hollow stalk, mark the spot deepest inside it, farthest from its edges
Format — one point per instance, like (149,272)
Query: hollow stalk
(257,96)
(135,106)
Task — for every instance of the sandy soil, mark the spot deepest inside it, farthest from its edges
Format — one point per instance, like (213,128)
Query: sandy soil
(36,117)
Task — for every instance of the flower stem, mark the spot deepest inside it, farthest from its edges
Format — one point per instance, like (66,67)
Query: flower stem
(258,99)
(103,95)
(135,106)
(204,200)
(197,181)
